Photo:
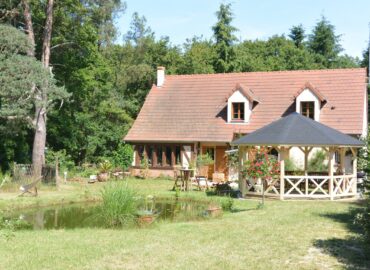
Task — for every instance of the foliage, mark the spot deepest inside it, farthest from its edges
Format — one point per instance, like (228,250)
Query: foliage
(5,178)
(324,42)
(363,156)
(289,165)
(317,162)
(144,165)
(123,156)
(204,160)
(227,204)
(297,34)
(105,166)
(224,38)
(119,205)
(233,159)
(262,165)
(65,161)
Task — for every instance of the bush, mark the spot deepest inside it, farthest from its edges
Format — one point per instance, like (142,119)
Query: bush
(290,166)
(123,157)
(65,161)
(228,204)
(119,205)
(317,162)
(204,160)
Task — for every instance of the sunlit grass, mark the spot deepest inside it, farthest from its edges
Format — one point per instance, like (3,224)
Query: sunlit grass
(283,235)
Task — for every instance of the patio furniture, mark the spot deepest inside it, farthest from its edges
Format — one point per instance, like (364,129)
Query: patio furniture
(185,177)
(202,176)
(28,187)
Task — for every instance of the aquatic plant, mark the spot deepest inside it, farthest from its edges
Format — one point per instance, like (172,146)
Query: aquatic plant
(119,205)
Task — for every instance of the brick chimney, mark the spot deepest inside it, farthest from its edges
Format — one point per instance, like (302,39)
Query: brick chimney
(160,76)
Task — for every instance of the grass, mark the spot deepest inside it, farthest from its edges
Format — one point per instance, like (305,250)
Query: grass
(282,235)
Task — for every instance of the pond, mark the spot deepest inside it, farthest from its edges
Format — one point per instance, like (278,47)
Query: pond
(86,215)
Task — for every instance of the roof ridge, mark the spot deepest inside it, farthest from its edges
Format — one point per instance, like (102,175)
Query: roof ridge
(265,72)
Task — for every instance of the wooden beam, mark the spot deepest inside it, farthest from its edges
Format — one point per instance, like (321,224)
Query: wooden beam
(331,158)
(242,184)
(354,151)
(282,176)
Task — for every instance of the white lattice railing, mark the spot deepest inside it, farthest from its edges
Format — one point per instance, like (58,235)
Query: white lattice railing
(307,186)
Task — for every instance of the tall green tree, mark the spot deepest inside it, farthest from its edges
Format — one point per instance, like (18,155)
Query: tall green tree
(23,80)
(223,33)
(297,34)
(324,42)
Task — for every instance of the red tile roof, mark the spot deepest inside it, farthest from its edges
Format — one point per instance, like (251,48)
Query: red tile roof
(189,108)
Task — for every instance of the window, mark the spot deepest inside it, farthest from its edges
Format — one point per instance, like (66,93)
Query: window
(158,155)
(308,109)
(237,113)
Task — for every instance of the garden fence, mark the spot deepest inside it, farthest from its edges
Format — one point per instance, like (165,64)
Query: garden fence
(23,173)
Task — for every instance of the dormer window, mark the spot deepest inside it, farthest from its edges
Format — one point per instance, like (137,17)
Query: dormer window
(309,101)
(308,109)
(238,111)
(240,104)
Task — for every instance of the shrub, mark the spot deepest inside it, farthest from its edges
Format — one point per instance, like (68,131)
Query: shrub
(105,166)
(204,160)
(65,161)
(317,162)
(228,204)
(290,166)
(123,156)
(119,205)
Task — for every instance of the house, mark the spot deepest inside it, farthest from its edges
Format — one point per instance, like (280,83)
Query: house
(186,115)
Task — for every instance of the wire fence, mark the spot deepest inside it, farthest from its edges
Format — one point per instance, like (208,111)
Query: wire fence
(24,173)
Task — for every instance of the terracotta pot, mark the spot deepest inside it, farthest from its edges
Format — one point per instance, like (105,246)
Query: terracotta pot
(146,219)
(102,177)
(214,211)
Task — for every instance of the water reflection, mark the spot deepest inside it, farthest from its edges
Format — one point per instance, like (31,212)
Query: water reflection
(86,215)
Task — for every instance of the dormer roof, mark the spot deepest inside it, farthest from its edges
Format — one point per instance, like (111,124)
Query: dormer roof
(313,89)
(246,92)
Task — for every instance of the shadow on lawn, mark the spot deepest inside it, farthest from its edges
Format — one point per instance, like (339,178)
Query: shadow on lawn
(353,252)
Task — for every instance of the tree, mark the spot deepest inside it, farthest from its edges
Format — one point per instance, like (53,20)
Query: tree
(324,42)
(24,83)
(224,38)
(199,56)
(297,34)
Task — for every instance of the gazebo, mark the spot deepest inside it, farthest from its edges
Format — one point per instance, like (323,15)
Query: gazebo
(300,132)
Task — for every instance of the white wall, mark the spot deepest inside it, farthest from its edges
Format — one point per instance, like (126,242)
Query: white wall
(307,95)
(237,96)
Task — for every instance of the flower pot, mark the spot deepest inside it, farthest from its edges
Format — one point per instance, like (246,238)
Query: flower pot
(145,219)
(102,177)
(214,211)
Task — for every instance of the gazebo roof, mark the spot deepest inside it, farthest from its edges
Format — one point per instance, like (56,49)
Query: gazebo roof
(297,130)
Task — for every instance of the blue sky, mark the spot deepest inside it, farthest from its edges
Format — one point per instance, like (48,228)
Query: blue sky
(256,19)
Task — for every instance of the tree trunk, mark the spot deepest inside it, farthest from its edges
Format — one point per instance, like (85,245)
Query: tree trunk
(29,26)
(39,142)
(45,58)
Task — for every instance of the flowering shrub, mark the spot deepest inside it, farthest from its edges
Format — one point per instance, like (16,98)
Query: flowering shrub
(261,165)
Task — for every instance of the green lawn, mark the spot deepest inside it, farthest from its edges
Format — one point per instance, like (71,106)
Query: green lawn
(283,235)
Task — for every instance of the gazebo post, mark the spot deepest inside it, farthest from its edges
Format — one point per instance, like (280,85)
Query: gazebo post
(354,169)
(242,185)
(331,172)
(283,156)
(343,160)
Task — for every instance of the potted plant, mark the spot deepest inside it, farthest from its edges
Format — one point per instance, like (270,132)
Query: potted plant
(261,168)
(214,210)
(104,168)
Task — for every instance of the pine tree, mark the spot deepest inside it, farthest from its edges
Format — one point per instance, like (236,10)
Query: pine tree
(224,37)
(297,34)
(324,42)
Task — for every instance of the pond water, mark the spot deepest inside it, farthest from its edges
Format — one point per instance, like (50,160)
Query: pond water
(86,215)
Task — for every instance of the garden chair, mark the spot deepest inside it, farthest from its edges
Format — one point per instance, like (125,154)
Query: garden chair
(28,187)
(202,177)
